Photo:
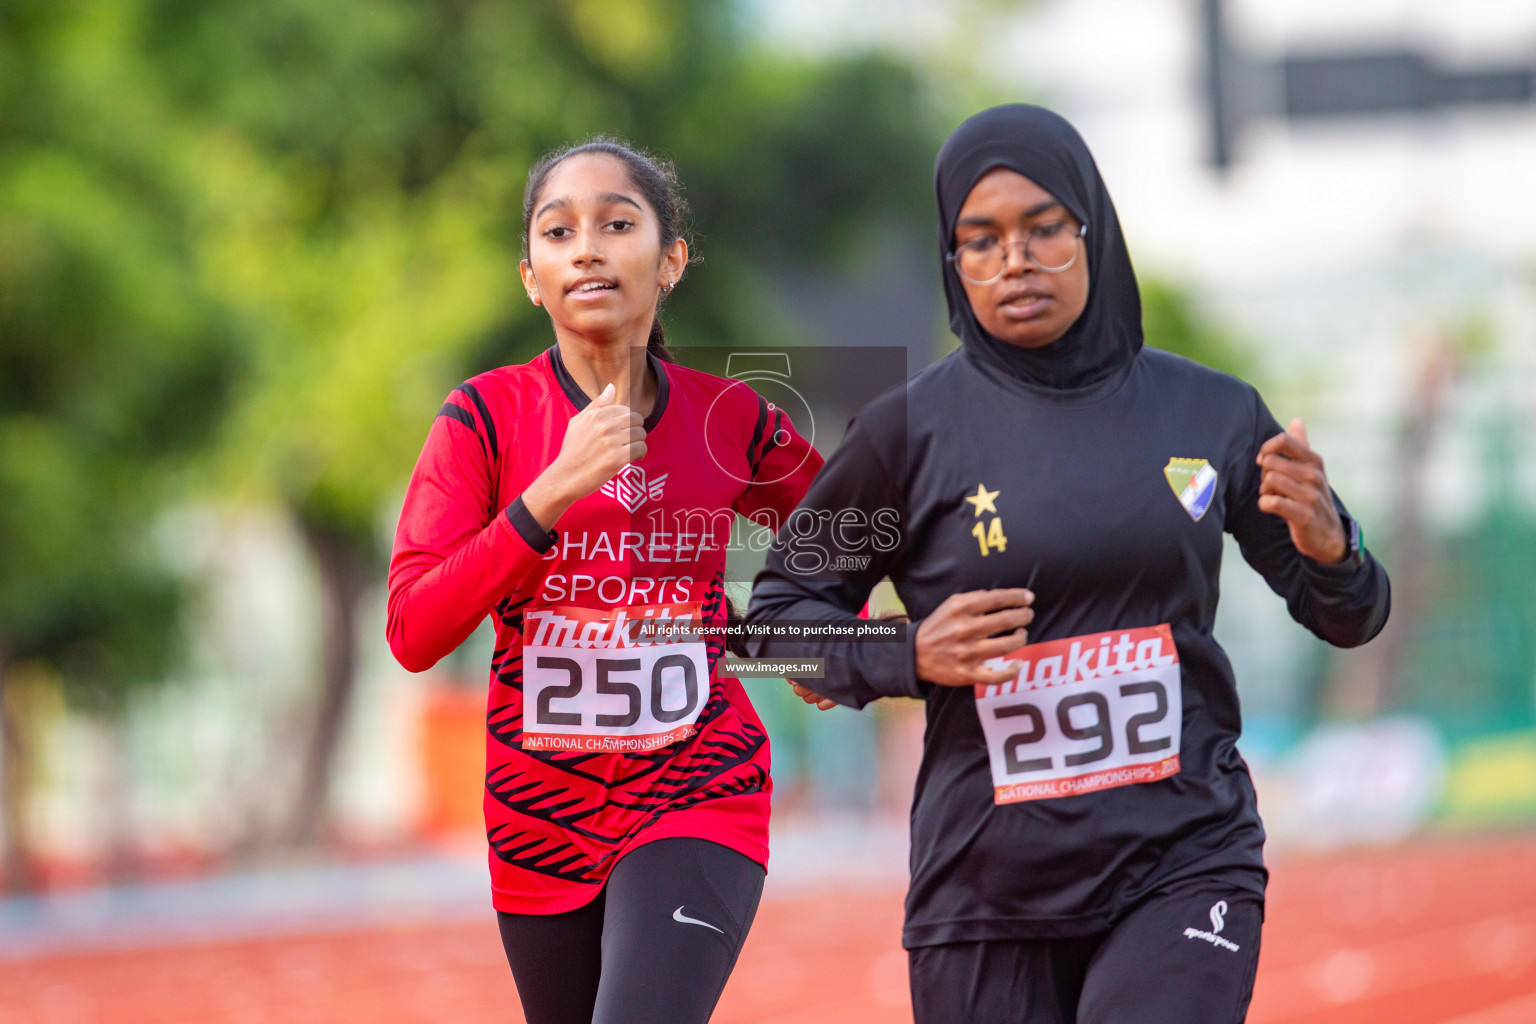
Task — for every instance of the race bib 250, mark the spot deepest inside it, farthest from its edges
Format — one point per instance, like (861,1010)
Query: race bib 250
(1084,713)
(594,680)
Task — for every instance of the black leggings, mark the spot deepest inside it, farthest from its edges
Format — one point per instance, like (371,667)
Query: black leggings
(1185,955)
(656,945)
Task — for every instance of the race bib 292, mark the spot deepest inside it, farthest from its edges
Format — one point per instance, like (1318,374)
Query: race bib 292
(1084,713)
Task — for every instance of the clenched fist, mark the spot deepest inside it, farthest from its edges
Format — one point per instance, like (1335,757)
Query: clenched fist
(970,629)
(1294,486)
(599,441)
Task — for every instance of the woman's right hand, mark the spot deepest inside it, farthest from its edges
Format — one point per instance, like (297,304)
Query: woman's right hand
(969,629)
(599,441)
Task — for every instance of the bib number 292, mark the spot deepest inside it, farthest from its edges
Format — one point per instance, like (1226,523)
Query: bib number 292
(1085,713)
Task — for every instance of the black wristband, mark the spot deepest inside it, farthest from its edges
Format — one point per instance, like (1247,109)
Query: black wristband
(528,528)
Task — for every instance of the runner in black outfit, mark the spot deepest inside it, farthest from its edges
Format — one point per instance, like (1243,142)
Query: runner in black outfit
(1085,840)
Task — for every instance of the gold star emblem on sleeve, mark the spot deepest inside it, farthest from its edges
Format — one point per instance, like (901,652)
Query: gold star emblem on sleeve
(983,499)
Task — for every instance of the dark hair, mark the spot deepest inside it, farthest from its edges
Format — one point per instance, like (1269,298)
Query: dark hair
(656,179)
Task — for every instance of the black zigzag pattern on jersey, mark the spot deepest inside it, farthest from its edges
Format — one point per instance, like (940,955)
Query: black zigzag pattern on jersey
(712,611)
(612,796)
(679,773)
(543,856)
(510,613)
(770,442)
(709,775)
(458,412)
(507,665)
(692,780)
(686,783)
(757,431)
(485,415)
(544,801)
(506,726)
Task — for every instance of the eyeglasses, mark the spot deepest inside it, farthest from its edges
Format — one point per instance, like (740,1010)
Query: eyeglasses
(1052,247)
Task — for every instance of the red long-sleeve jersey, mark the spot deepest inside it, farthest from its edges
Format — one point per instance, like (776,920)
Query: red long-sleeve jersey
(630,735)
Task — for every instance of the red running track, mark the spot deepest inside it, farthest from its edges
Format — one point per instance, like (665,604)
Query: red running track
(1428,934)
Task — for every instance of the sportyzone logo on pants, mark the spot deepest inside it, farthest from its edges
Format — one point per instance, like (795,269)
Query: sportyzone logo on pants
(1218,922)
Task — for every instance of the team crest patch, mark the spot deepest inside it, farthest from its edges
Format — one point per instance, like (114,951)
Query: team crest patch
(630,488)
(1194,484)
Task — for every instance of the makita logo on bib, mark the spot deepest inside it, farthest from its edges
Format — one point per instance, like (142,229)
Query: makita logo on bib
(630,488)
(598,628)
(1218,922)
(1076,659)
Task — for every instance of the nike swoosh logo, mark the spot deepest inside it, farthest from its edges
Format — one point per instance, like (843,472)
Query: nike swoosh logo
(677,915)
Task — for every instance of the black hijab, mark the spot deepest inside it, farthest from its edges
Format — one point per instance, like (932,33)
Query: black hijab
(1043,147)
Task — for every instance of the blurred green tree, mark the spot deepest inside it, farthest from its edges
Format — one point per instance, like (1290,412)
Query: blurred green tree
(1171,320)
(356,196)
(113,364)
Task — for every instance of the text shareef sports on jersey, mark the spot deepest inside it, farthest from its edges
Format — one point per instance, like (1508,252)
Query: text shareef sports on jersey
(684,548)
(1084,713)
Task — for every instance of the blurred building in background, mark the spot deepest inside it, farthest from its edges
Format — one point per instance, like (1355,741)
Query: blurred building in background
(336,221)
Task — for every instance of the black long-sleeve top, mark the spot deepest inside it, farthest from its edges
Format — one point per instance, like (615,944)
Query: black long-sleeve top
(1093,524)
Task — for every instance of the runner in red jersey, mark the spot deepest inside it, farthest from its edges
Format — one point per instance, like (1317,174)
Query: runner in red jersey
(627,782)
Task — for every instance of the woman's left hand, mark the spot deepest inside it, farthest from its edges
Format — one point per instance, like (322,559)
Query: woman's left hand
(815,699)
(1294,487)
(812,697)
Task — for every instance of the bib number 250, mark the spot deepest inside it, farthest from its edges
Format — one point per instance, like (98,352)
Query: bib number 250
(607,682)
(1085,713)
(593,682)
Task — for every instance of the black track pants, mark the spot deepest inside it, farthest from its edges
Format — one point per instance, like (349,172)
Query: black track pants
(655,947)
(1183,956)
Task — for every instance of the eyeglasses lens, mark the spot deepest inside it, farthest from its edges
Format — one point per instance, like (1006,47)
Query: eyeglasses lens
(1051,247)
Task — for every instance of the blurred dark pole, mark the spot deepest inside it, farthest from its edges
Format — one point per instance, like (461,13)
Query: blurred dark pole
(344,578)
(1215,40)
(1303,87)
(1369,683)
